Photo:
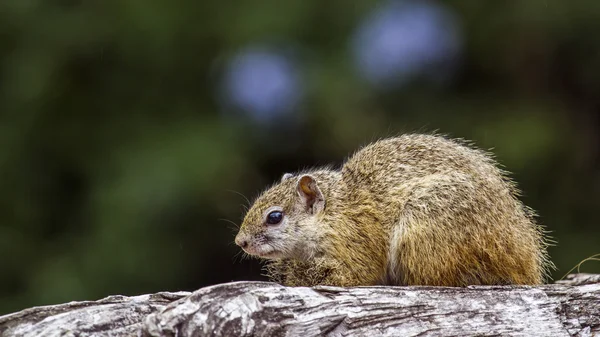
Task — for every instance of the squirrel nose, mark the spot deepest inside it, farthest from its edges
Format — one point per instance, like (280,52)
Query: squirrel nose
(241,241)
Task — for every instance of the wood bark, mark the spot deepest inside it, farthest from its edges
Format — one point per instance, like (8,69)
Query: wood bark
(567,308)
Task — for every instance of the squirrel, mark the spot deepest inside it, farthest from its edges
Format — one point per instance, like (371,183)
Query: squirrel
(416,209)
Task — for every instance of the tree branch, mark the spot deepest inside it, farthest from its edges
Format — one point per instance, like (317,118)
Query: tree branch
(568,308)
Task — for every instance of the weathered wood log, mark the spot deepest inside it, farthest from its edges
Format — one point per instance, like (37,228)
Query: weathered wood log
(568,308)
(111,316)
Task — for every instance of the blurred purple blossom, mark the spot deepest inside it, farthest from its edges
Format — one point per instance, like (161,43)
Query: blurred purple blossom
(404,38)
(262,83)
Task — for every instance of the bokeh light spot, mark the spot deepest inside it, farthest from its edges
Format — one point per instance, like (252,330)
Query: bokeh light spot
(402,39)
(263,84)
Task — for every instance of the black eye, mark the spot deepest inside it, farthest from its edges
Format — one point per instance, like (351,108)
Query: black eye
(274,217)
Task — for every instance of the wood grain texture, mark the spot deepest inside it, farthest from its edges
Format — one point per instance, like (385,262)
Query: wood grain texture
(568,308)
(111,316)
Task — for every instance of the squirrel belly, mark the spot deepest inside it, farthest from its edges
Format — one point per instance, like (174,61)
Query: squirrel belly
(410,210)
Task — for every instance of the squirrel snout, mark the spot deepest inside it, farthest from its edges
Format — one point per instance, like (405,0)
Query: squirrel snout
(241,241)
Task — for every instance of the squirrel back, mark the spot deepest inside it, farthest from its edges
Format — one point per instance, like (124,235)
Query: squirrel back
(410,210)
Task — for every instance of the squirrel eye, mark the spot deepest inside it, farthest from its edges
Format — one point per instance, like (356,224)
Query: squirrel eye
(274,217)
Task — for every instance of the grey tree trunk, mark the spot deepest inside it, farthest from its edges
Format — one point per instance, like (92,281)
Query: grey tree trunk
(567,308)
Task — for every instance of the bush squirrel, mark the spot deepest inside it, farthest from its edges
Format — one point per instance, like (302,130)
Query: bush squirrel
(410,210)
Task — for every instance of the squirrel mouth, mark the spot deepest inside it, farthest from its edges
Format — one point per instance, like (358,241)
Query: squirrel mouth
(262,251)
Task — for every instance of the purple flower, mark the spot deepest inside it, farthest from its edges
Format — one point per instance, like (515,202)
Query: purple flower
(262,83)
(404,39)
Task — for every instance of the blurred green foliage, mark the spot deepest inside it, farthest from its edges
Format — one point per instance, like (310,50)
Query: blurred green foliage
(117,165)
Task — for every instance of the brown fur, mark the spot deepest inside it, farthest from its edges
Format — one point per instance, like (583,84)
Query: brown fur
(411,210)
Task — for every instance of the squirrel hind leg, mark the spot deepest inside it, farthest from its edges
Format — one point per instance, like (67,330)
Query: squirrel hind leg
(422,256)
(394,273)
(454,231)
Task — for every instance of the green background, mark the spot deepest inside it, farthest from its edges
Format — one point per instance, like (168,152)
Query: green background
(119,169)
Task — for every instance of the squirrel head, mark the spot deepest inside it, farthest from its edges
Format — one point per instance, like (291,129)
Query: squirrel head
(283,220)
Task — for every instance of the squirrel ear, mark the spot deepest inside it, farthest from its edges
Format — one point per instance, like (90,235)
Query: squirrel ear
(286,176)
(310,194)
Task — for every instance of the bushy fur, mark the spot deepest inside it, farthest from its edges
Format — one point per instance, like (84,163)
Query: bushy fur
(410,210)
